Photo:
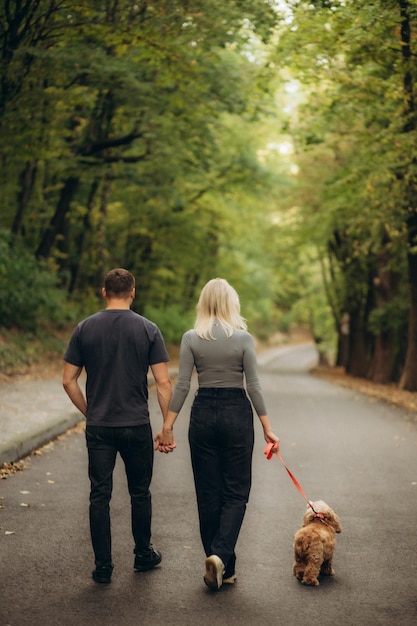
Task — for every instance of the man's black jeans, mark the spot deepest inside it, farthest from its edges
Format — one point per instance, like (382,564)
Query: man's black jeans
(221,440)
(135,446)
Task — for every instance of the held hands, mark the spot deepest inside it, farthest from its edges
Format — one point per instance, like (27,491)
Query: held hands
(164,441)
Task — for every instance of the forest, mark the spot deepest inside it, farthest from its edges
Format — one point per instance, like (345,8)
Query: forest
(270,142)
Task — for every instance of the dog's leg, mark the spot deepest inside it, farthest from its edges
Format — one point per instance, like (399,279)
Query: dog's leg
(298,569)
(327,568)
(312,569)
(299,560)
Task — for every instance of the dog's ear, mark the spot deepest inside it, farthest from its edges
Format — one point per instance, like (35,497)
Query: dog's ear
(308,517)
(335,521)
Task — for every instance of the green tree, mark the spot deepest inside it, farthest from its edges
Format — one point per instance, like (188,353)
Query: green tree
(123,146)
(358,121)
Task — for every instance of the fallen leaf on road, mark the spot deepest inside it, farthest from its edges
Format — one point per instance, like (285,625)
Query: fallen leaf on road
(24,493)
(389,393)
(24,504)
(7,469)
(9,532)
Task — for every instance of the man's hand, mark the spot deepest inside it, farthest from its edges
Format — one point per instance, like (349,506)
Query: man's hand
(164,441)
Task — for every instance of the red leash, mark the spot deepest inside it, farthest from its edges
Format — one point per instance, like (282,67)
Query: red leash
(273,448)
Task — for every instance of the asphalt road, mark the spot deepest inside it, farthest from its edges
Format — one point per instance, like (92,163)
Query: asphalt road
(357,454)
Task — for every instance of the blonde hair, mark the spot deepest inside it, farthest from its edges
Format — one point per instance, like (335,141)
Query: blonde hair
(218,302)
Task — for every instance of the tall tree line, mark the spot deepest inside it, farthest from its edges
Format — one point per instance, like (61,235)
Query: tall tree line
(149,134)
(117,136)
(355,137)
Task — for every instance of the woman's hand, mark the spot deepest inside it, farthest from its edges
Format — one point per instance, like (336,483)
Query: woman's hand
(270,437)
(164,441)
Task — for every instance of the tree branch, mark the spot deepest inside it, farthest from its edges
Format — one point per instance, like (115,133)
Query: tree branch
(110,143)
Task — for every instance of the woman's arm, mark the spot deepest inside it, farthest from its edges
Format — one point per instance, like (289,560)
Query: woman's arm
(164,440)
(254,390)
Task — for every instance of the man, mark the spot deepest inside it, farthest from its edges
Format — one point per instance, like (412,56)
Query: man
(116,347)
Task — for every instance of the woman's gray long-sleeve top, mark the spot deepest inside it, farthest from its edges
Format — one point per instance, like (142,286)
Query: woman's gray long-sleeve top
(220,362)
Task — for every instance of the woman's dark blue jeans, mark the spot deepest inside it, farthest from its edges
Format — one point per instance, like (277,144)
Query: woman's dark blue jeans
(135,446)
(221,440)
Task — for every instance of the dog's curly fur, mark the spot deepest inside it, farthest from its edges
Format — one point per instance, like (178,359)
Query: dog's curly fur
(314,543)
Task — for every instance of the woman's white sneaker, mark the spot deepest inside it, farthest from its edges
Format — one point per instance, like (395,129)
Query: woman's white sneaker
(214,572)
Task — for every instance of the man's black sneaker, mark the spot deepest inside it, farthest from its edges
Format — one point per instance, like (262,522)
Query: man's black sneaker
(147,560)
(102,574)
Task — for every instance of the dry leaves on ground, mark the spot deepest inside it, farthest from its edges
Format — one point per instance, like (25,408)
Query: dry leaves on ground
(389,393)
(8,469)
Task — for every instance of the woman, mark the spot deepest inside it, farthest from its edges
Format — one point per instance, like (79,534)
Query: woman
(221,431)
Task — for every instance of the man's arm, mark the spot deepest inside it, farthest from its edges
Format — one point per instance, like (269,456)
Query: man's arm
(70,383)
(163,385)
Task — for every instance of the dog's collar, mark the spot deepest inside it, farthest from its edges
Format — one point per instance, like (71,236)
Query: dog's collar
(320,516)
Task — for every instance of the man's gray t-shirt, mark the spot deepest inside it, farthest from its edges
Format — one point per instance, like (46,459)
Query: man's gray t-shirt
(116,347)
(220,362)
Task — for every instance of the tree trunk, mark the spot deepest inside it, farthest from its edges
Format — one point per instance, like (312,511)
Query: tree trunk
(408,378)
(358,358)
(385,290)
(383,359)
(343,342)
(27,181)
(138,252)
(101,247)
(57,223)
(75,264)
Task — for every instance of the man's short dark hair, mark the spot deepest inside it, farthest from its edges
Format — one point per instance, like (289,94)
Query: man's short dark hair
(119,283)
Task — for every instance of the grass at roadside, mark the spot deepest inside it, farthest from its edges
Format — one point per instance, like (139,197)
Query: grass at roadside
(25,356)
(22,353)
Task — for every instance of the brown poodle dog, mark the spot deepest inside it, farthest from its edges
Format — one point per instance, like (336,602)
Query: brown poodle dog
(314,543)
